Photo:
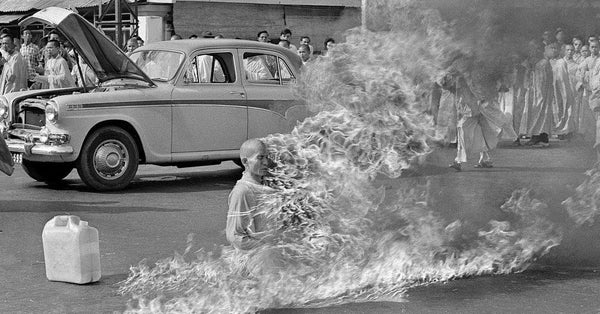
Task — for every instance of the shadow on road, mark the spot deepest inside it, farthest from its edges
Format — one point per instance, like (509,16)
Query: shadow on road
(167,182)
(65,207)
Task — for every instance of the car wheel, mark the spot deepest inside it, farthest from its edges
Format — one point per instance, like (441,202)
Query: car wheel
(109,159)
(49,172)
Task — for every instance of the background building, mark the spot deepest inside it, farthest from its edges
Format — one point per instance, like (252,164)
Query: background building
(244,19)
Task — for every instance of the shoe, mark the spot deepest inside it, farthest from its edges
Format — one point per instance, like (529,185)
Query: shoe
(533,140)
(455,165)
(484,164)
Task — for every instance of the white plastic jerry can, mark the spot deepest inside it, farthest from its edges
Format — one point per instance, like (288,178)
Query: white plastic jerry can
(71,250)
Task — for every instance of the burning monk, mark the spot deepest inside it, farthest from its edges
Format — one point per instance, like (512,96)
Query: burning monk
(480,121)
(245,224)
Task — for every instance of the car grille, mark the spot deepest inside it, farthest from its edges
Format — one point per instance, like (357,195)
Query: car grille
(32,112)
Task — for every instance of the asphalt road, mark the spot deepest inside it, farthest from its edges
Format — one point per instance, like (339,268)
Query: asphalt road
(152,218)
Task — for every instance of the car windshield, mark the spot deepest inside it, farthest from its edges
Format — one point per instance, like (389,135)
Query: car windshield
(157,64)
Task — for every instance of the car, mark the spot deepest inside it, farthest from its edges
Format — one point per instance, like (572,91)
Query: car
(173,103)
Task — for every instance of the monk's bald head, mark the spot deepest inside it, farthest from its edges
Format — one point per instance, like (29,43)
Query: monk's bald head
(251,147)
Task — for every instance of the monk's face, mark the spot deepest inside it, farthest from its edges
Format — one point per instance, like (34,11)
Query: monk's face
(7,44)
(594,48)
(51,49)
(257,163)
(569,51)
(577,45)
(585,51)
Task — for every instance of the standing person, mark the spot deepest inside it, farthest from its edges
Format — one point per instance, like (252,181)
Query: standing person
(585,120)
(533,57)
(593,70)
(263,37)
(56,71)
(304,53)
(586,73)
(537,116)
(286,34)
(245,223)
(30,52)
(512,96)
(85,77)
(564,94)
(327,44)
(480,121)
(14,70)
(561,40)
(132,44)
(305,40)
(577,45)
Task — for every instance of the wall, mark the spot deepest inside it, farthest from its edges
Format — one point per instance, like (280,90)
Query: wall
(237,20)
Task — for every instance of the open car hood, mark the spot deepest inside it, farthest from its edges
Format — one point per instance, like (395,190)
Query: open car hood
(106,59)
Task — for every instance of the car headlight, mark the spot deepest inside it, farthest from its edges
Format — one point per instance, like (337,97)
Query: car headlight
(3,108)
(52,111)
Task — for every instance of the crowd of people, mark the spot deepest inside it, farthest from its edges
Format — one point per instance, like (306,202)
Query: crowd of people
(52,64)
(551,92)
(305,49)
(25,65)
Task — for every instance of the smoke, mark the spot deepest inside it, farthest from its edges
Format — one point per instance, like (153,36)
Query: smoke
(335,235)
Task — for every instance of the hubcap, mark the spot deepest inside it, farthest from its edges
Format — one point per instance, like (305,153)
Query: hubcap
(111,159)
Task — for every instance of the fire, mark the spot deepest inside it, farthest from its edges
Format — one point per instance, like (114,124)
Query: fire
(334,239)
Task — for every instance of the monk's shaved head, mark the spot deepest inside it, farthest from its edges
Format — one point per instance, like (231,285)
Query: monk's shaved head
(251,147)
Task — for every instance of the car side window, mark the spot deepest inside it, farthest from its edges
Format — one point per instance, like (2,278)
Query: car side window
(261,68)
(211,68)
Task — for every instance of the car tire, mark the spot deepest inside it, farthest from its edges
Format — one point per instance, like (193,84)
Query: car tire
(109,159)
(48,172)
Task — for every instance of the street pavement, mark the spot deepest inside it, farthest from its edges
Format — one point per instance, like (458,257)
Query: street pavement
(153,217)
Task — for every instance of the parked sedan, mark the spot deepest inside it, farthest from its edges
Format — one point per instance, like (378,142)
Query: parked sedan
(183,103)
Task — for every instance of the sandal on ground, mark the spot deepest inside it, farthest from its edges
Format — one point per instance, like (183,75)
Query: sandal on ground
(455,165)
(484,164)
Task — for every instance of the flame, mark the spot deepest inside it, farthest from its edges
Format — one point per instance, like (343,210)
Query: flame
(583,207)
(336,237)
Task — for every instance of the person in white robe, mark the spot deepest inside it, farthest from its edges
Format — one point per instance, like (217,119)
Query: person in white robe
(14,70)
(480,120)
(537,120)
(587,121)
(56,70)
(586,124)
(593,67)
(564,95)
(85,77)
(512,96)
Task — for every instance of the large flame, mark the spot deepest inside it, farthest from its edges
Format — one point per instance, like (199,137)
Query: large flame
(336,237)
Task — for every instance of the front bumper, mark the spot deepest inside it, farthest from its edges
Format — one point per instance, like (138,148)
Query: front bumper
(18,146)
(38,151)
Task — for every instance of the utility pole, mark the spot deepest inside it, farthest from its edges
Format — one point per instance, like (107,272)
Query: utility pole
(363,15)
(119,26)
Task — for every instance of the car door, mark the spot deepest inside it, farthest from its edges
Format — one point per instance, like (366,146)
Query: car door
(209,105)
(272,107)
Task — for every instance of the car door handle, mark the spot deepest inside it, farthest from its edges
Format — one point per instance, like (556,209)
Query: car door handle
(238,93)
